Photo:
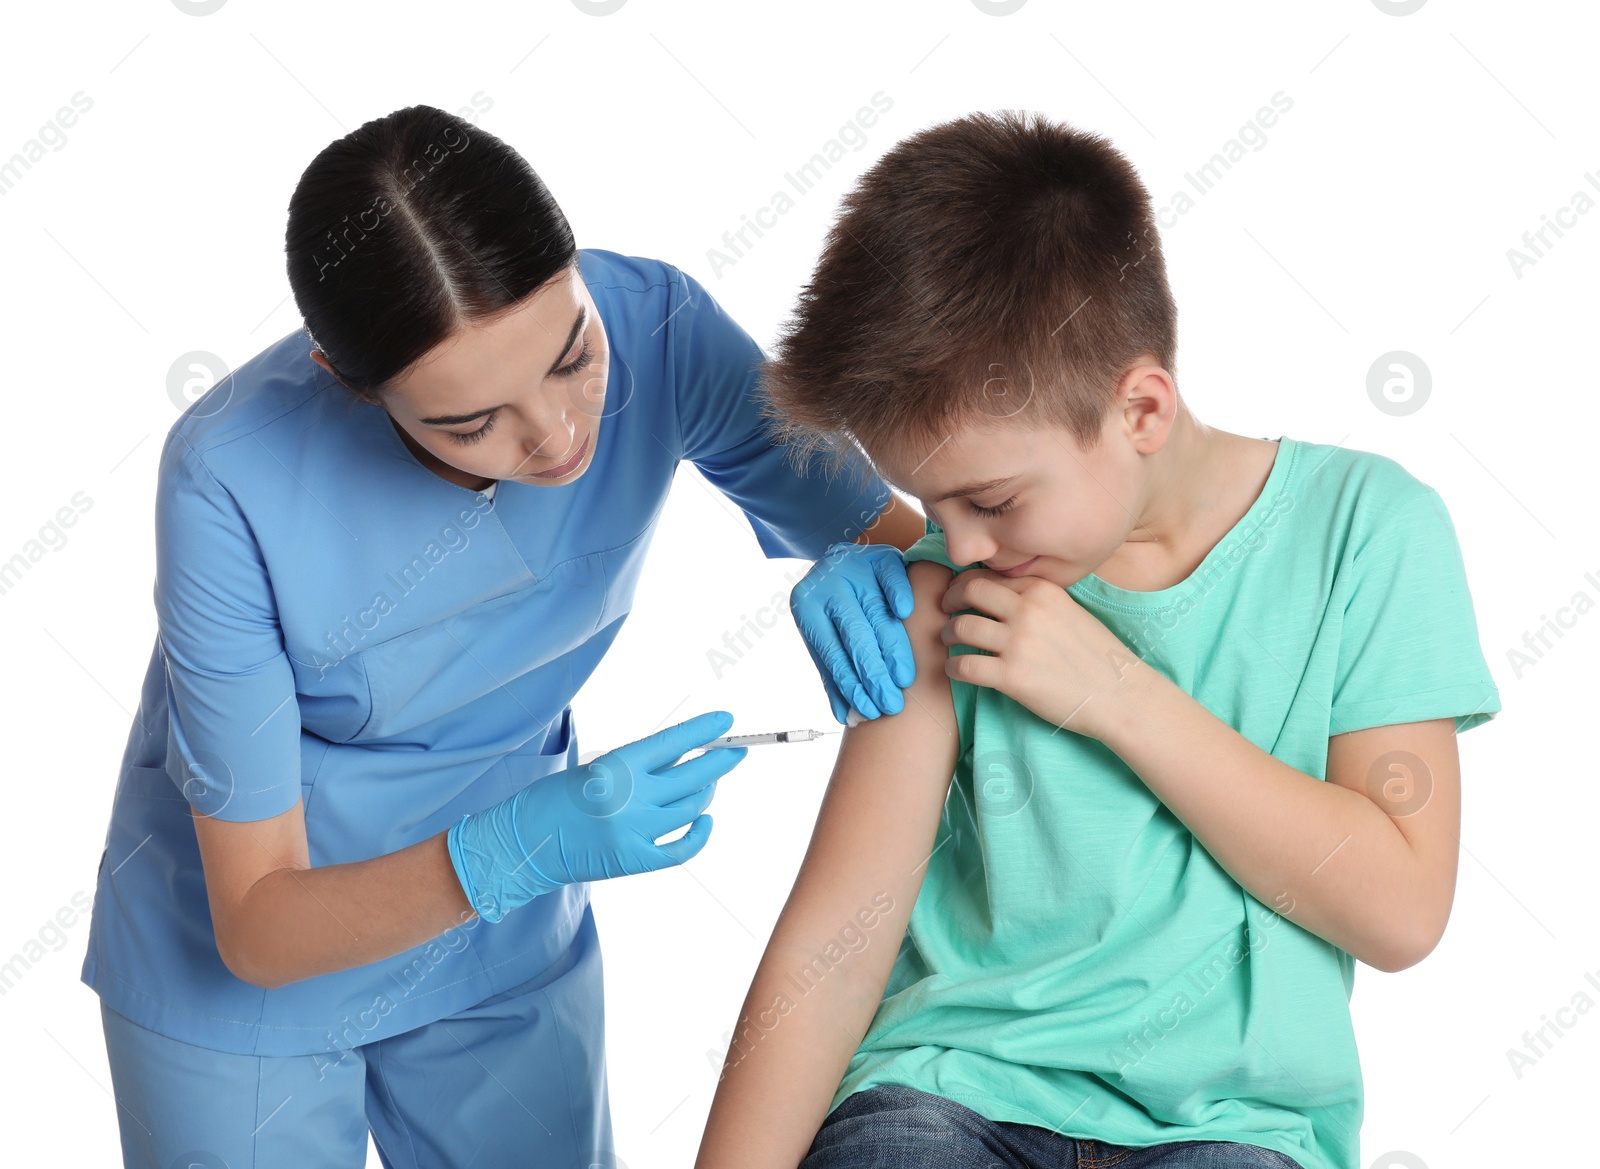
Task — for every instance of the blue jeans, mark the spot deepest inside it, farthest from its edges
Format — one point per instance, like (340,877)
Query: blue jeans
(517,1080)
(893,1127)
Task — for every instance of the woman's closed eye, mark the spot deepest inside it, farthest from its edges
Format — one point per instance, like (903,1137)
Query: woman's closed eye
(475,435)
(577,362)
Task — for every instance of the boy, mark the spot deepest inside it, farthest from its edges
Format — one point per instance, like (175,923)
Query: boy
(1181,742)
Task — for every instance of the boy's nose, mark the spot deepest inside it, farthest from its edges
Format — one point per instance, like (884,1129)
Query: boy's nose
(968,547)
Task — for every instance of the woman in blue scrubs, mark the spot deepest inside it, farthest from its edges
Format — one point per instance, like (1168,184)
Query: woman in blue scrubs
(345,880)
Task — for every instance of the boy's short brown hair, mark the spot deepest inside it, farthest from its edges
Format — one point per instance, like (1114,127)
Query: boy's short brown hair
(996,266)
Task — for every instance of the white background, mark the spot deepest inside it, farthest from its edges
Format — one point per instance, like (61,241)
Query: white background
(1377,216)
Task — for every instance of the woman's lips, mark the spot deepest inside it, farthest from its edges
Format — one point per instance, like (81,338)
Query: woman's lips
(567,467)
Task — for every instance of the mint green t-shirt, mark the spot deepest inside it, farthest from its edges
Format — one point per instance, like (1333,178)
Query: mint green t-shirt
(1075,958)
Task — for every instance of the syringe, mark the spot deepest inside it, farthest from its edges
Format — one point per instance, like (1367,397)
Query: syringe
(753,740)
(779,736)
(770,737)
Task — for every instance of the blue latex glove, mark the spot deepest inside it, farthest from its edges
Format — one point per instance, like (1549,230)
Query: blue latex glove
(842,608)
(594,821)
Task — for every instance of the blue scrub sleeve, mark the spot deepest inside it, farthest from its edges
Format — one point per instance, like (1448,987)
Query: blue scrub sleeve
(1408,649)
(715,374)
(234,742)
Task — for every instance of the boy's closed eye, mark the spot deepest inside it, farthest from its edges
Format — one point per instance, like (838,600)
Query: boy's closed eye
(997,509)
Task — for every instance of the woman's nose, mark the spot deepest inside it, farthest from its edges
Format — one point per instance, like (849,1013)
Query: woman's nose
(553,445)
(559,434)
(557,445)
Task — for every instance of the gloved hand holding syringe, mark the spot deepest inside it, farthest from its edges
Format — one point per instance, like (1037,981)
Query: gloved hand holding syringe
(602,818)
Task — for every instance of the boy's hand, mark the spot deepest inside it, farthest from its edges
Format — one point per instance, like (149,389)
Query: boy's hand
(1050,653)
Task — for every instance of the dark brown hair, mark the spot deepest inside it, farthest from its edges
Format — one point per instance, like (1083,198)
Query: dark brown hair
(408,228)
(996,266)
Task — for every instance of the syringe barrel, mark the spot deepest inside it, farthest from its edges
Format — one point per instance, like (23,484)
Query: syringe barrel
(741,741)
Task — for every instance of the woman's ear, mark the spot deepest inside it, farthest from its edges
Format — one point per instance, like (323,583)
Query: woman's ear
(322,359)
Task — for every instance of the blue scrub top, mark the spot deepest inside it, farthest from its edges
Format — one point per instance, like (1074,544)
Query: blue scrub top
(340,625)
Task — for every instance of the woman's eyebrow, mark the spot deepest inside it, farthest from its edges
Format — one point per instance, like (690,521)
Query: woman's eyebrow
(457,419)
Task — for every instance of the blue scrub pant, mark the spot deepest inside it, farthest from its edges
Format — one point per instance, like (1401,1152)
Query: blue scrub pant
(518,1079)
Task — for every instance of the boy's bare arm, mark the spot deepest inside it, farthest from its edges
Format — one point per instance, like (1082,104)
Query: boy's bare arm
(805,1013)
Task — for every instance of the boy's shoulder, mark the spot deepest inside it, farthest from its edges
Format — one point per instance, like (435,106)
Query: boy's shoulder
(1357,491)
(1327,464)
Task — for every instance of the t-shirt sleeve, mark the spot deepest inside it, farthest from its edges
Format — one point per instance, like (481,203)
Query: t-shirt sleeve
(1408,649)
(233,743)
(715,371)
(930,546)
